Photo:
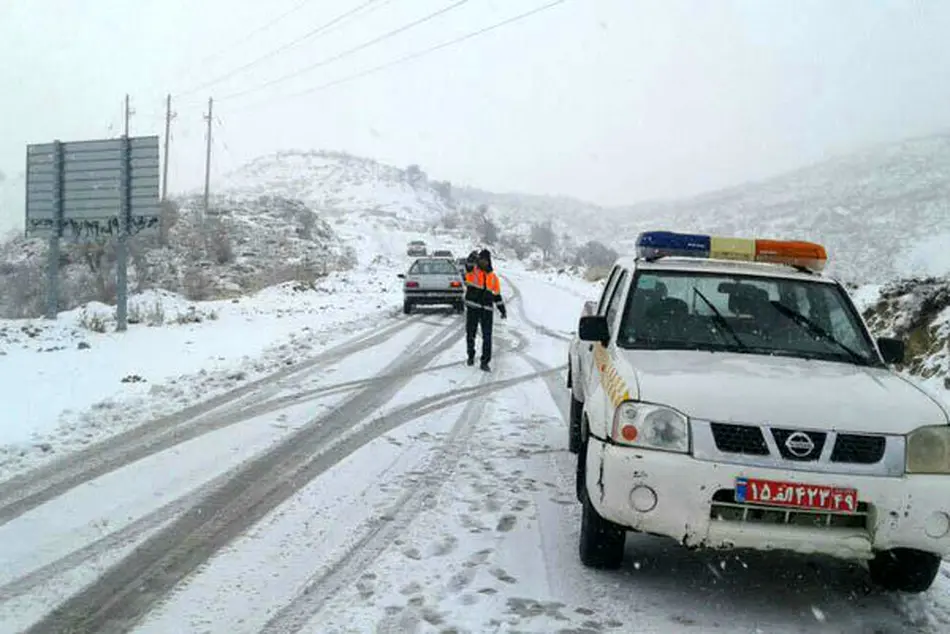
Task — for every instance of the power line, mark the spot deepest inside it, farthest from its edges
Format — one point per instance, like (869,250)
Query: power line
(347,52)
(413,56)
(260,29)
(322,29)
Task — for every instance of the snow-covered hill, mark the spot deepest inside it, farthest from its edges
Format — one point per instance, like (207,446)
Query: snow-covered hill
(340,184)
(883,212)
(242,245)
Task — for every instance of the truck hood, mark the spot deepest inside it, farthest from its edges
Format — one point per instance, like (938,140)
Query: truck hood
(782,391)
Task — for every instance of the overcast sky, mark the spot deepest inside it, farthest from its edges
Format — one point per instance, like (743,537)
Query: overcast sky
(613,101)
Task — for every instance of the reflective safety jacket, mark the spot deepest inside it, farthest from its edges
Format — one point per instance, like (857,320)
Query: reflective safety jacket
(483,290)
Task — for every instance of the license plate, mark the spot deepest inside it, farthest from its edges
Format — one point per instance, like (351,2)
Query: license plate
(796,495)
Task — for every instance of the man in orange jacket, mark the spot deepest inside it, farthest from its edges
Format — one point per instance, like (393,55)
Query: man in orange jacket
(482,295)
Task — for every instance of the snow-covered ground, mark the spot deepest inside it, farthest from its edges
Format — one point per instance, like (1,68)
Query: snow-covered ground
(66,385)
(379,487)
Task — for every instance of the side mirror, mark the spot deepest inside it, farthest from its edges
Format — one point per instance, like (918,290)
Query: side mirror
(892,350)
(593,328)
(401,276)
(590,307)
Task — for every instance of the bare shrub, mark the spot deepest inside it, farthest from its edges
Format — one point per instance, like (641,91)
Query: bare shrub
(152,315)
(23,289)
(544,237)
(134,315)
(306,272)
(596,254)
(218,242)
(170,214)
(92,322)
(517,244)
(197,284)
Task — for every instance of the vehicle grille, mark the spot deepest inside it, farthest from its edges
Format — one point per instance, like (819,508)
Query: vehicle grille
(817,444)
(724,508)
(859,449)
(750,440)
(744,439)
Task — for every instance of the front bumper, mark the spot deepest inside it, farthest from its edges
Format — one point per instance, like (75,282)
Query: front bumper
(687,496)
(434,297)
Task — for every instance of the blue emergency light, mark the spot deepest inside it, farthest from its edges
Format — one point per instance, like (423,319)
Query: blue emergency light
(654,244)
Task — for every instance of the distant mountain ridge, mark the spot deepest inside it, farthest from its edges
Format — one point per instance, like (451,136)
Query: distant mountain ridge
(882,212)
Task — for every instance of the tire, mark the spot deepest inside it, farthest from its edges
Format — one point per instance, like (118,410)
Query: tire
(580,474)
(574,425)
(407,308)
(601,542)
(904,570)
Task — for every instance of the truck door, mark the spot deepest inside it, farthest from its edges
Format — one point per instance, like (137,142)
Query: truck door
(598,360)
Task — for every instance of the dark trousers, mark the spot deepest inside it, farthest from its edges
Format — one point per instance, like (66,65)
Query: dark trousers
(474,317)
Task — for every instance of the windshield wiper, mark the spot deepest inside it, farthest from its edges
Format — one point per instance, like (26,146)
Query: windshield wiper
(720,321)
(818,331)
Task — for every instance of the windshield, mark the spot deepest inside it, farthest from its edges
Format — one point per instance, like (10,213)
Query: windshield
(742,313)
(433,267)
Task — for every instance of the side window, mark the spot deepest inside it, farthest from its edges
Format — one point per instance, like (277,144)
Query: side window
(608,289)
(614,304)
(843,326)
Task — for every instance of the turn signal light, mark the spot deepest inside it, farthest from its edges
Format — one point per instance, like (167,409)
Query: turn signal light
(629,433)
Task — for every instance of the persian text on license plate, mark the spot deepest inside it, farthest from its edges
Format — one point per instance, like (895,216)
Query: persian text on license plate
(805,496)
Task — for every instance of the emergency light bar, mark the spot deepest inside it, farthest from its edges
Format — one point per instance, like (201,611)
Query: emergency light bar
(657,244)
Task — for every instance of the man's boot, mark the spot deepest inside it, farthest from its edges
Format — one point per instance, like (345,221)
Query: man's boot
(485,367)
(470,361)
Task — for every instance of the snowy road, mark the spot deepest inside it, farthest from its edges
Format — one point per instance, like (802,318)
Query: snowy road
(384,486)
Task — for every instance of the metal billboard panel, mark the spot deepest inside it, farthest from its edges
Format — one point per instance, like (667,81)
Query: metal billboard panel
(88,185)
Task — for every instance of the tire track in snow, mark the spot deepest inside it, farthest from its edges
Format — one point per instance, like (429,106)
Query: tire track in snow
(28,491)
(294,616)
(146,523)
(127,591)
(394,521)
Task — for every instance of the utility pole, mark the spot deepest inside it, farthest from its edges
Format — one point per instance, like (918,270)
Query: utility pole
(169,115)
(127,115)
(121,251)
(209,118)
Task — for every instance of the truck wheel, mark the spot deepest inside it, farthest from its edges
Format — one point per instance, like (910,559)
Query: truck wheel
(601,541)
(407,307)
(904,569)
(574,425)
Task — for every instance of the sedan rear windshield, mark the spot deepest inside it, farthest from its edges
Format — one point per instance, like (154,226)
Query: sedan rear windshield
(741,313)
(433,267)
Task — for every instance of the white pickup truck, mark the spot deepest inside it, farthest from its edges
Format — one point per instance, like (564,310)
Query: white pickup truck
(727,395)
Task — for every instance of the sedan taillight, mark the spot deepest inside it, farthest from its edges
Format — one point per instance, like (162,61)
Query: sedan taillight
(412,284)
(456,284)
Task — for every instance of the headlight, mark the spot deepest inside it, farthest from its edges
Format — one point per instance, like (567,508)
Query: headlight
(928,450)
(650,426)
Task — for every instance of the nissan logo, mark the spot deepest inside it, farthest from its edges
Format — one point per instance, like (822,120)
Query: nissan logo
(799,444)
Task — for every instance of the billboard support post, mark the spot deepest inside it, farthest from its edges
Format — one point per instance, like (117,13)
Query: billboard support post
(52,274)
(122,245)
